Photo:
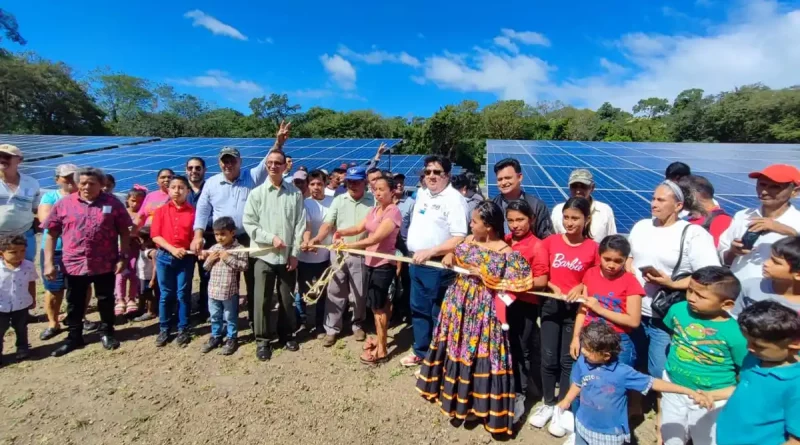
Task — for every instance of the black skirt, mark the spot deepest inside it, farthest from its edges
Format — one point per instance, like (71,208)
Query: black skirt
(378,280)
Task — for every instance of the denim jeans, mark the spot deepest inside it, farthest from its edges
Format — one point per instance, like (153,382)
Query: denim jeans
(652,342)
(227,310)
(175,282)
(30,247)
(428,286)
(628,353)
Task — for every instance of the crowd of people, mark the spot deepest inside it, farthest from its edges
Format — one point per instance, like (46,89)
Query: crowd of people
(526,303)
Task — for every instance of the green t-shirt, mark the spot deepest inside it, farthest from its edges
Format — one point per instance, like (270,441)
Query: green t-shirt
(704,354)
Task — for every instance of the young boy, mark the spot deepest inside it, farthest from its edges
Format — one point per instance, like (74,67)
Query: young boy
(602,380)
(765,406)
(148,280)
(17,292)
(223,286)
(781,281)
(706,351)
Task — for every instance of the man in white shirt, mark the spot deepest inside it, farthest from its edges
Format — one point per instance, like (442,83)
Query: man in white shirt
(437,227)
(313,263)
(19,199)
(581,184)
(777,218)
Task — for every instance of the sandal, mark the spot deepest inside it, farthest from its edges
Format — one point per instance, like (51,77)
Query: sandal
(370,344)
(119,309)
(369,358)
(131,308)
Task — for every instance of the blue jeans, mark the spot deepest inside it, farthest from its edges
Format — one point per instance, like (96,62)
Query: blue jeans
(428,286)
(227,310)
(652,341)
(175,282)
(628,353)
(30,248)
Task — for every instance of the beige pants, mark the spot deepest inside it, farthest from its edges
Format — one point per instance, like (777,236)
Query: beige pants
(347,285)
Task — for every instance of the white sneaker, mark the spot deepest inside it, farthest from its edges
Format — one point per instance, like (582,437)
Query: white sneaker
(570,440)
(541,416)
(555,429)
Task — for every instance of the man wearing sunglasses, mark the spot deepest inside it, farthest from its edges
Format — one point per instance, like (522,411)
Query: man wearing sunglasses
(196,174)
(439,224)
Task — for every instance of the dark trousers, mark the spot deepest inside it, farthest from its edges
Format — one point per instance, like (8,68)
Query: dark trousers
(77,286)
(18,320)
(308,273)
(524,337)
(249,279)
(558,322)
(428,286)
(205,276)
(274,315)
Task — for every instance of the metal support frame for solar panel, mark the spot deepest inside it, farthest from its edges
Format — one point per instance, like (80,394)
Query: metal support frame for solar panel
(626,173)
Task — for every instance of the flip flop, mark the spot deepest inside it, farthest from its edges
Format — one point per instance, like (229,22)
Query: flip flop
(369,358)
(370,344)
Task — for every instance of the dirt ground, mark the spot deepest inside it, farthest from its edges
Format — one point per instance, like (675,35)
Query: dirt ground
(140,394)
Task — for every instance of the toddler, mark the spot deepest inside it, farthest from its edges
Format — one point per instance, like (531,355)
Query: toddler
(17,292)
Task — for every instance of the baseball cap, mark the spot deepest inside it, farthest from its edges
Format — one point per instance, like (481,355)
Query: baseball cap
(780,173)
(229,151)
(66,170)
(11,150)
(356,174)
(301,175)
(581,176)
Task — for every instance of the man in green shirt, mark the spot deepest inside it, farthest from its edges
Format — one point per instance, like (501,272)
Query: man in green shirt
(347,210)
(275,219)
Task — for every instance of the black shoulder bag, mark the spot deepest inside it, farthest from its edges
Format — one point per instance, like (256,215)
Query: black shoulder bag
(665,297)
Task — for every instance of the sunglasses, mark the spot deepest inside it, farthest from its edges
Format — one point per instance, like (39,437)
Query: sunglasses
(433,172)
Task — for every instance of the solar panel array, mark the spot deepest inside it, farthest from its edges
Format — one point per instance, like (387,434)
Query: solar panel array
(36,147)
(627,173)
(410,166)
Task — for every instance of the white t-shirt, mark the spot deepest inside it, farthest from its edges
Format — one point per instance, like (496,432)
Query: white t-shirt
(437,218)
(749,266)
(659,247)
(144,266)
(14,295)
(603,222)
(315,215)
(16,208)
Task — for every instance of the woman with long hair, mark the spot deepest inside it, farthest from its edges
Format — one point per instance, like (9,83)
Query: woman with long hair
(156,198)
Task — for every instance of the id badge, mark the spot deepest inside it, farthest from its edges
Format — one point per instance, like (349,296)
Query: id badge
(106,210)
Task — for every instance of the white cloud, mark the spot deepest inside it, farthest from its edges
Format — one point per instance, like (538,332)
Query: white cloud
(200,18)
(340,70)
(526,37)
(505,42)
(759,43)
(310,93)
(377,57)
(220,80)
(611,67)
(267,40)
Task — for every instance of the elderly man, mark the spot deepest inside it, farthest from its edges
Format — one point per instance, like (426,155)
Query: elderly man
(437,227)
(274,217)
(509,181)
(19,198)
(347,210)
(89,224)
(225,194)
(581,184)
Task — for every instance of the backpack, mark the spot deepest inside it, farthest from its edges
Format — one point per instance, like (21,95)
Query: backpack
(707,224)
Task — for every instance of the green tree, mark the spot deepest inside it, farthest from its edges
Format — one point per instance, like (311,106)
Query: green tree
(275,109)
(652,107)
(10,28)
(121,96)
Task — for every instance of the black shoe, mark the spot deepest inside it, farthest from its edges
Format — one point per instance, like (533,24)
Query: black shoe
(22,354)
(183,339)
(109,342)
(162,339)
(66,348)
(292,345)
(49,333)
(230,347)
(90,326)
(212,343)
(263,351)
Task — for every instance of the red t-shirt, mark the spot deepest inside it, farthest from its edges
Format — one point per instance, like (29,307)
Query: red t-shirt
(527,248)
(174,224)
(565,265)
(718,225)
(611,294)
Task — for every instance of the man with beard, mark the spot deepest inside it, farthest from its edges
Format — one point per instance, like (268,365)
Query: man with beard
(196,173)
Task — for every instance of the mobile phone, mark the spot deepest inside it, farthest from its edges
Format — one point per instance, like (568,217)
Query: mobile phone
(749,239)
(649,270)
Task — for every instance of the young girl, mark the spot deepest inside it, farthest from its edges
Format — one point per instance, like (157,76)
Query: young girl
(601,381)
(146,274)
(127,283)
(611,295)
(564,258)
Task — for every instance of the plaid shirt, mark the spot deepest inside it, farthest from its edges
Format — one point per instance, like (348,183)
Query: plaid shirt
(224,281)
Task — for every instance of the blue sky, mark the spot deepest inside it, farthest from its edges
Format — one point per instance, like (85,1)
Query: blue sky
(412,57)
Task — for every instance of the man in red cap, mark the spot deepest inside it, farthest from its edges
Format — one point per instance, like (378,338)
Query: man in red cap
(747,243)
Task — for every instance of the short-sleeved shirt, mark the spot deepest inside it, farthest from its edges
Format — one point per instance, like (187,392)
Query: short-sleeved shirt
(388,244)
(16,207)
(565,265)
(719,223)
(174,224)
(612,294)
(315,216)
(51,198)
(406,207)
(765,407)
(14,292)
(704,354)
(760,289)
(603,222)
(347,212)
(437,218)
(603,400)
(151,203)
(527,246)
(89,232)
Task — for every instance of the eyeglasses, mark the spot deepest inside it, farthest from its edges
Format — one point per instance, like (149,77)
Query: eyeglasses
(433,172)
(194,167)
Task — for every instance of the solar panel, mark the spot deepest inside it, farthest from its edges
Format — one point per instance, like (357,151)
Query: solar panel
(626,173)
(36,147)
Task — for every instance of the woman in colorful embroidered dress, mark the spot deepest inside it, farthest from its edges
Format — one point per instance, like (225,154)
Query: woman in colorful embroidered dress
(468,367)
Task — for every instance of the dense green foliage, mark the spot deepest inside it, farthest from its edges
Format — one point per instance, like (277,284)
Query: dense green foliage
(40,96)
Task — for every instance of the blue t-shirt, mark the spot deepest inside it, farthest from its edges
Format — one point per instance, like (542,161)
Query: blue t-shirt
(51,198)
(603,402)
(765,407)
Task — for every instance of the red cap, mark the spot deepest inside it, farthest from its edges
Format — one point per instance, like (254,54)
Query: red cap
(780,173)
